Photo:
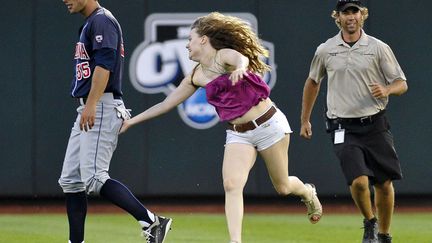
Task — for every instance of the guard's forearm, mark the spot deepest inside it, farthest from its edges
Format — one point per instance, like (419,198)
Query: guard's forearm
(398,87)
(310,93)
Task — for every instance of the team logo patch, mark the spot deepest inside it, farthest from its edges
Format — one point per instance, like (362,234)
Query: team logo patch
(81,52)
(99,38)
(159,64)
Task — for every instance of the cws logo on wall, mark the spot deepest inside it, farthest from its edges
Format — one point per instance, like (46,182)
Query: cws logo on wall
(159,64)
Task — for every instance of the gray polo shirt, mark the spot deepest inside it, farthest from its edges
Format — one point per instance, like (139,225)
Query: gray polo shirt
(350,70)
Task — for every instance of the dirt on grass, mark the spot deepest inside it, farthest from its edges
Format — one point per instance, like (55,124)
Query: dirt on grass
(207,205)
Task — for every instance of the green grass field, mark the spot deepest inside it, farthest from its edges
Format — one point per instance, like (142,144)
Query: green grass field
(258,228)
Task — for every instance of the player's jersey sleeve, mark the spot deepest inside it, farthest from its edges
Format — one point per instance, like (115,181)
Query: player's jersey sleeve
(105,58)
(104,33)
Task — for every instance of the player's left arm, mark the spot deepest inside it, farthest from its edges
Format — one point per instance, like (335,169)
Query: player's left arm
(235,59)
(99,83)
(397,87)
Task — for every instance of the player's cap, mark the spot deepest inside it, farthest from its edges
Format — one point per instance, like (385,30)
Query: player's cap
(343,5)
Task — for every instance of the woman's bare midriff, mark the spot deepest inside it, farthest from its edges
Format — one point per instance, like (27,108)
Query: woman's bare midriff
(254,112)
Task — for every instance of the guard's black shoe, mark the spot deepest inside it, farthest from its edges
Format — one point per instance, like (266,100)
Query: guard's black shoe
(370,234)
(384,238)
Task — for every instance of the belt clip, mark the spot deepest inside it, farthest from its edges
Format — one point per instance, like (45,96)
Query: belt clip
(366,118)
(235,127)
(255,123)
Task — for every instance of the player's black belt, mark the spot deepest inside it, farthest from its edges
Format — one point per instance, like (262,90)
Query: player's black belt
(83,100)
(366,120)
(251,124)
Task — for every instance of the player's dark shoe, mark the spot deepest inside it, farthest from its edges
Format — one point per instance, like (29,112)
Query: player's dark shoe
(157,232)
(370,234)
(384,238)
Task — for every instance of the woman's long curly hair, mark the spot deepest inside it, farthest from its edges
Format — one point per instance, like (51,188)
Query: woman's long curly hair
(226,31)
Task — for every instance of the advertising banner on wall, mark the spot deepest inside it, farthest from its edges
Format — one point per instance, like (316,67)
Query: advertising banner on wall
(161,61)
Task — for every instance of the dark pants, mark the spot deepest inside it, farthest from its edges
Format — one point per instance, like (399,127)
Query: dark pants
(368,149)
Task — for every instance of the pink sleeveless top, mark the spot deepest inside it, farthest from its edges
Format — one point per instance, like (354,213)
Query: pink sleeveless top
(234,101)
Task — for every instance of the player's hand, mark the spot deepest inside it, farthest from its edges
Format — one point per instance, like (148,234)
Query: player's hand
(237,75)
(379,91)
(125,126)
(306,130)
(87,118)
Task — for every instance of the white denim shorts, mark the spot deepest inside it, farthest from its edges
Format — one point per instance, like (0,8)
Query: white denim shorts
(265,135)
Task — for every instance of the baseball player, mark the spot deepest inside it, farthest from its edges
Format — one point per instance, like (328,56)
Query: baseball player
(99,58)
(362,73)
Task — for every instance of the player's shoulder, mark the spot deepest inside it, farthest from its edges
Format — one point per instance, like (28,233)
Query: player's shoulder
(103,12)
(102,15)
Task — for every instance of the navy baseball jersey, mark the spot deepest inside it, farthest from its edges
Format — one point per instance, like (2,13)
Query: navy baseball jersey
(100,44)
